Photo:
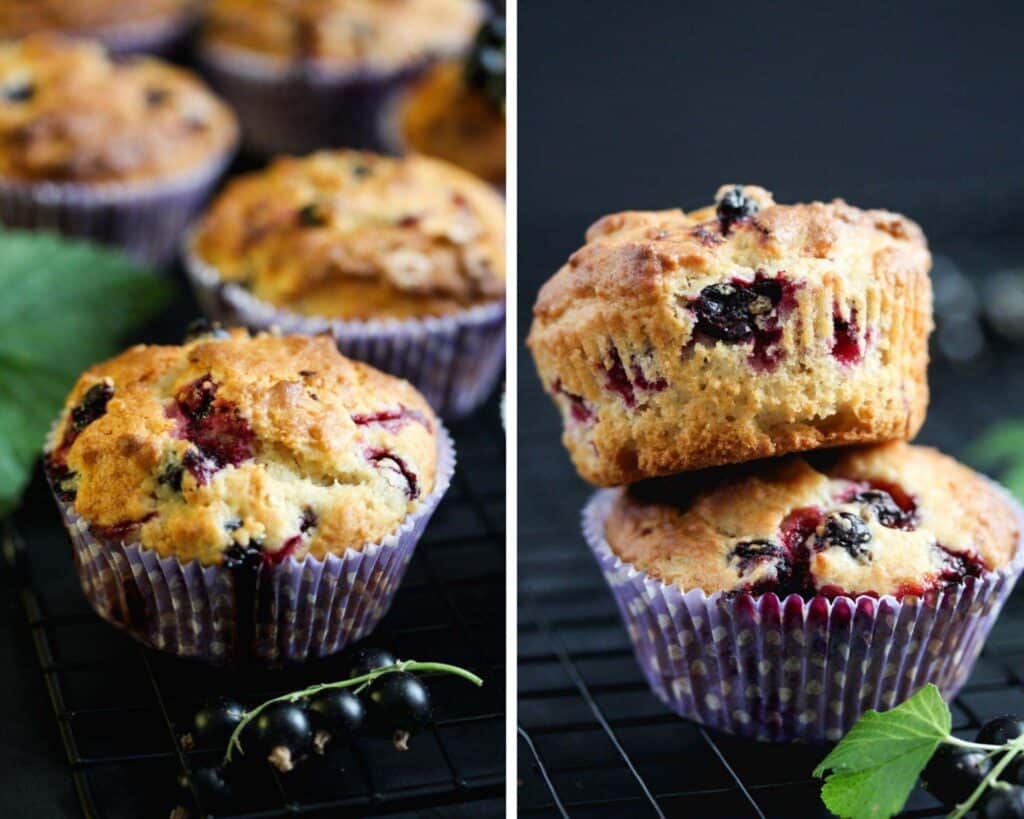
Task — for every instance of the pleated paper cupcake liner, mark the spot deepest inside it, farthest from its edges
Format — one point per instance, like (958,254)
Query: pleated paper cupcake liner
(290,612)
(455,361)
(300,108)
(145,219)
(161,37)
(794,669)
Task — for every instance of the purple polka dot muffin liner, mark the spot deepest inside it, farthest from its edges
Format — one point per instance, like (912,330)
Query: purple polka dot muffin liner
(146,219)
(795,670)
(298,108)
(290,612)
(455,360)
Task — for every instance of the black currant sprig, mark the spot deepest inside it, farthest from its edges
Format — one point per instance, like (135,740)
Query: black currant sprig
(359,683)
(872,771)
(990,785)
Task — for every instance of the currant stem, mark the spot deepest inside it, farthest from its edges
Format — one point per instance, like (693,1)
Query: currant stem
(1011,750)
(974,746)
(362,681)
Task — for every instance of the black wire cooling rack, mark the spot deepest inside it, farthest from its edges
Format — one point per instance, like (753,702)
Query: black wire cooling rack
(120,708)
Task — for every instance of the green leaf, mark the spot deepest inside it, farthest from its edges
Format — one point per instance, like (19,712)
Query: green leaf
(65,305)
(1000,443)
(876,765)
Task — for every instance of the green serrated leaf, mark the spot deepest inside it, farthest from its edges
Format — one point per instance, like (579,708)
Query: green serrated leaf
(876,765)
(65,305)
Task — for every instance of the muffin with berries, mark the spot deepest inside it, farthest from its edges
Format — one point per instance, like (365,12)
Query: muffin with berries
(781,599)
(675,341)
(119,152)
(457,110)
(245,498)
(123,26)
(400,260)
(322,73)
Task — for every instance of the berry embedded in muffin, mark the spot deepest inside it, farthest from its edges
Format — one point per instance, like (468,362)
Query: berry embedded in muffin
(68,113)
(233,449)
(457,111)
(893,519)
(352,34)
(675,341)
(356,235)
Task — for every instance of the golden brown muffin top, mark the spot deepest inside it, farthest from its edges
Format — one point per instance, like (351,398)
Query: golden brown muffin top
(70,114)
(229,444)
(891,519)
(21,17)
(354,235)
(374,34)
(646,257)
(447,117)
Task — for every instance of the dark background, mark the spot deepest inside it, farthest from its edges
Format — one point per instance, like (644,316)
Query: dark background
(913,107)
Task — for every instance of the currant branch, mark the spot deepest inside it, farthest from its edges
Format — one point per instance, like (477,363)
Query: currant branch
(361,681)
(1009,751)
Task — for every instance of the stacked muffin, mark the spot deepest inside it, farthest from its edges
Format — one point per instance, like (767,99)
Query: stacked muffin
(771,594)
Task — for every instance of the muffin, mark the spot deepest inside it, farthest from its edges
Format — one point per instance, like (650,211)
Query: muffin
(400,260)
(673,341)
(781,599)
(316,73)
(457,110)
(120,152)
(239,498)
(123,26)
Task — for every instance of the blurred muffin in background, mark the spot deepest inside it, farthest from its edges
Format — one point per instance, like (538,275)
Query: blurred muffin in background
(120,152)
(401,260)
(123,26)
(457,110)
(308,74)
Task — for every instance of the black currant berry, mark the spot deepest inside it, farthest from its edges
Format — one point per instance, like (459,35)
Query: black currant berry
(201,327)
(336,712)
(312,215)
(1000,730)
(731,311)
(281,733)
(734,206)
(953,773)
(367,659)
(751,552)
(212,787)
(485,66)
(19,91)
(888,512)
(1013,774)
(845,530)
(92,406)
(398,705)
(1003,803)
(214,723)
